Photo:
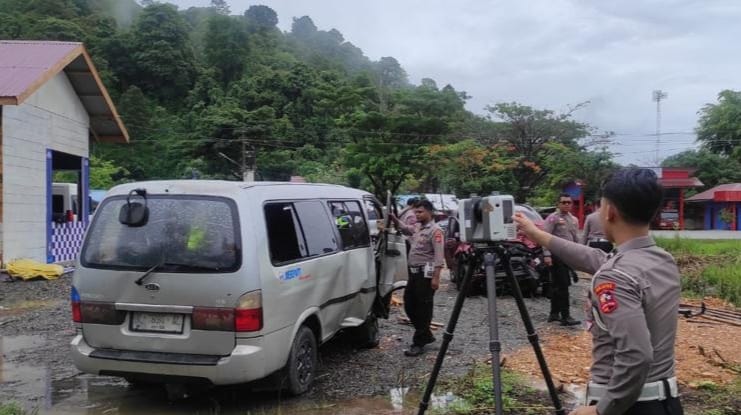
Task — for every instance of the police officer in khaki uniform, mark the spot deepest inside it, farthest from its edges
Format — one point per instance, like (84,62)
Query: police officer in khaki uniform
(426,261)
(634,301)
(564,225)
(593,234)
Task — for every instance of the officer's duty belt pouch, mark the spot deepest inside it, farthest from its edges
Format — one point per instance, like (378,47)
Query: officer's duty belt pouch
(429,270)
(653,391)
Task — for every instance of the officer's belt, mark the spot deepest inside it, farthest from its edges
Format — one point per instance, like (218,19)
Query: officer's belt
(651,391)
(416,269)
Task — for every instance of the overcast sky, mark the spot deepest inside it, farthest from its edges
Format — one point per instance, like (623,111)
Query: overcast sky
(552,54)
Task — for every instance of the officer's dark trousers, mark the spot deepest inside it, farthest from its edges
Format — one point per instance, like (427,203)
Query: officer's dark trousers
(560,281)
(670,406)
(418,306)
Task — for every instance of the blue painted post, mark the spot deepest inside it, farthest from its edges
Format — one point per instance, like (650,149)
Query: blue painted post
(49,230)
(84,197)
(708,216)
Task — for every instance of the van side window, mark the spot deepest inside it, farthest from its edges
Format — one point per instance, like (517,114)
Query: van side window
(350,222)
(285,238)
(317,227)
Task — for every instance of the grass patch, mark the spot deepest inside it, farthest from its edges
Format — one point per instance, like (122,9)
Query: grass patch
(701,247)
(477,396)
(715,400)
(14,408)
(710,267)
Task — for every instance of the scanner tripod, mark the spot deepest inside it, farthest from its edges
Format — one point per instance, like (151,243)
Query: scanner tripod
(488,254)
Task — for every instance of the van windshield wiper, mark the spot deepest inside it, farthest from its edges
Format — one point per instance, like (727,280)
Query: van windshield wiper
(140,280)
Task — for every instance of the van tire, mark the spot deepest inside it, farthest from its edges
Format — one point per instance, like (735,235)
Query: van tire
(302,361)
(365,336)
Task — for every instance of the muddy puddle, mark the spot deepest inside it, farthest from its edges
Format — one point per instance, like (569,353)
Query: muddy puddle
(40,388)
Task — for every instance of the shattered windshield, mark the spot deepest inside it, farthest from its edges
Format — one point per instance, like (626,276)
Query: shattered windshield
(184,233)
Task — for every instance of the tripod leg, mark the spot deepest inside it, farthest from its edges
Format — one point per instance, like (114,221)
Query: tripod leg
(495,346)
(532,336)
(447,336)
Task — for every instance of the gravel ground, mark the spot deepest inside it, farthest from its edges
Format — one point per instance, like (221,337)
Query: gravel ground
(38,312)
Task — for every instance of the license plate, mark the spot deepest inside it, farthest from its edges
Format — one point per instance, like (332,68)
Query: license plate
(157,322)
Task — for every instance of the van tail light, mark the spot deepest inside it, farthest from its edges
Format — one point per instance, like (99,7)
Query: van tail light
(74,297)
(212,318)
(94,312)
(101,313)
(248,314)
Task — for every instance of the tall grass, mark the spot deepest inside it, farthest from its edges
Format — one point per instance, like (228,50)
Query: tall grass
(701,247)
(722,274)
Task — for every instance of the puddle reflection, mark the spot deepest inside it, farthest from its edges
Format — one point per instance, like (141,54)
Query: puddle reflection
(94,395)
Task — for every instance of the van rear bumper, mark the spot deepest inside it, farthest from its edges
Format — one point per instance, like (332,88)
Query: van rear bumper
(244,364)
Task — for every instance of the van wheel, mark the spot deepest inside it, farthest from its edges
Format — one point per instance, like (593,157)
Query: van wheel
(365,336)
(302,361)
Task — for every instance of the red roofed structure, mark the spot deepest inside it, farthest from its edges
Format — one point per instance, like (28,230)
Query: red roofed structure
(676,181)
(722,206)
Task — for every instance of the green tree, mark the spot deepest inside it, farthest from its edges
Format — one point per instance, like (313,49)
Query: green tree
(52,28)
(225,47)
(262,17)
(104,174)
(468,167)
(534,136)
(220,6)
(719,127)
(161,54)
(390,147)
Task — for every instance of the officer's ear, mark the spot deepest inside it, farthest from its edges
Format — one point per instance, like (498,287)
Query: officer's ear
(611,212)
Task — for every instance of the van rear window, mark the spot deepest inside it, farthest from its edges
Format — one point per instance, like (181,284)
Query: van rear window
(183,234)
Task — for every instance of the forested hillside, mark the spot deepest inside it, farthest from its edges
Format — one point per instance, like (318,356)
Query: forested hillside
(200,88)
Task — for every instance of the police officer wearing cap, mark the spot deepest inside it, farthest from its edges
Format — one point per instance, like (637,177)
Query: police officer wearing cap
(634,301)
(564,225)
(426,261)
(593,235)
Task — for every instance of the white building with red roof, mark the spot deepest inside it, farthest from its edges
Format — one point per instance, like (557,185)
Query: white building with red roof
(52,105)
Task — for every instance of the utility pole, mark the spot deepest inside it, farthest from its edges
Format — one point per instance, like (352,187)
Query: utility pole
(248,160)
(658,95)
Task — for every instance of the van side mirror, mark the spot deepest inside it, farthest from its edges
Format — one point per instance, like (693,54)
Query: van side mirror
(134,214)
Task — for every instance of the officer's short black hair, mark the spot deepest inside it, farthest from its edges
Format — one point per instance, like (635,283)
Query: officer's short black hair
(564,195)
(426,205)
(636,193)
(412,201)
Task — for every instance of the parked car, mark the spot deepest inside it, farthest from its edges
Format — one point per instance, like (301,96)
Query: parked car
(527,260)
(228,282)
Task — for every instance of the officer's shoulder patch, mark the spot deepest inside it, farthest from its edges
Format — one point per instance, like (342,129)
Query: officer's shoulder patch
(605,293)
(605,286)
(607,301)
(438,235)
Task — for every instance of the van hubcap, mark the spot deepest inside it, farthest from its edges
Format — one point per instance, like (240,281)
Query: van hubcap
(305,363)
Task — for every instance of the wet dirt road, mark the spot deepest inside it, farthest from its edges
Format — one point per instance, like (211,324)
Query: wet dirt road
(36,371)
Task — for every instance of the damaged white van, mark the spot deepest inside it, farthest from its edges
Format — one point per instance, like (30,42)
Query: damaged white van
(229,282)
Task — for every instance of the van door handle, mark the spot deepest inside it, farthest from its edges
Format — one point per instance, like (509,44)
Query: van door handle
(393,252)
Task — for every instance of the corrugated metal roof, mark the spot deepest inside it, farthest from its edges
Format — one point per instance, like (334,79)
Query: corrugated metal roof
(22,63)
(26,65)
(710,194)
